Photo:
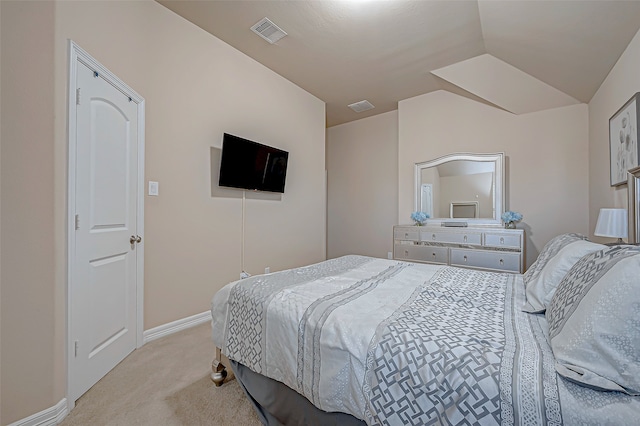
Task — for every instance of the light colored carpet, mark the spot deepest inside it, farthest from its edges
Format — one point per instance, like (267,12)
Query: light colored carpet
(166,382)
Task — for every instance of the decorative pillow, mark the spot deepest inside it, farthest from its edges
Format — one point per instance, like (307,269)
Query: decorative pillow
(594,321)
(554,261)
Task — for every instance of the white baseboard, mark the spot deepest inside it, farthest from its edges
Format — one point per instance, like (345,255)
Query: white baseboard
(49,417)
(175,326)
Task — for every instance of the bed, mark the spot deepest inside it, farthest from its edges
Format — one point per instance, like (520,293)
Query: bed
(360,340)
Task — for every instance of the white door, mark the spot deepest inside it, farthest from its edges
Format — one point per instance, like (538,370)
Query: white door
(103,285)
(426,198)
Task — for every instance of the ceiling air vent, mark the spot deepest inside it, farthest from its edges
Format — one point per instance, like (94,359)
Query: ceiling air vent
(361,106)
(268,30)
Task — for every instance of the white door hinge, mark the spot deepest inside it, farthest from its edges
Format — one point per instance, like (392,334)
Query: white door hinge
(78,96)
(77,222)
(76,346)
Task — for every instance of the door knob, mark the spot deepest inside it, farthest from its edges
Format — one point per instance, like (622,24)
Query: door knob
(135,239)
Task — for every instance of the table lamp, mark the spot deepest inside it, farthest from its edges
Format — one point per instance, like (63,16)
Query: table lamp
(612,223)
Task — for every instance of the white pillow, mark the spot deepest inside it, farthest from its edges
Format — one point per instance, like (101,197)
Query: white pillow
(554,261)
(594,321)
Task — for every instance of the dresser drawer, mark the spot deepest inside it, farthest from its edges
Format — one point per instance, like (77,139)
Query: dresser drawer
(486,259)
(471,238)
(502,240)
(421,253)
(409,234)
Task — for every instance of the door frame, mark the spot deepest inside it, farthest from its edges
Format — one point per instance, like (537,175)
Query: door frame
(77,54)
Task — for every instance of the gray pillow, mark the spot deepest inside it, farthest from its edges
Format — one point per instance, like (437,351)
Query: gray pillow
(594,321)
(554,261)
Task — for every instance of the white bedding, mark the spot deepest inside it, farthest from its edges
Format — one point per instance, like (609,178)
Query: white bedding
(400,343)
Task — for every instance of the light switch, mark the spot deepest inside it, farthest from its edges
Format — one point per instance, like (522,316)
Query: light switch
(153,188)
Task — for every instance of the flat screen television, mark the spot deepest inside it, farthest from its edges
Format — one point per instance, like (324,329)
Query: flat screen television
(250,165)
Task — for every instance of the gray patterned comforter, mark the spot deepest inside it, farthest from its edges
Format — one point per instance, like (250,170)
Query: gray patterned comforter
(400,343)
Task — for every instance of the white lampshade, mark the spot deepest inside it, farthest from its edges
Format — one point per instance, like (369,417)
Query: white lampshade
(612,223)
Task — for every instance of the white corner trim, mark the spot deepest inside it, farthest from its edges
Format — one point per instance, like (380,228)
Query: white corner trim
(49,417)
(175,326)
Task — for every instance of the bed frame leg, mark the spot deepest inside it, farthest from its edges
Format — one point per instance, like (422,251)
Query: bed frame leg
(219,370)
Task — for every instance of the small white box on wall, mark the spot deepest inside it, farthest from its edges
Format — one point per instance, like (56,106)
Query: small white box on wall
(153,188)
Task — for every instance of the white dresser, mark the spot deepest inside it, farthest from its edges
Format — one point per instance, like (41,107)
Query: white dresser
(494,249)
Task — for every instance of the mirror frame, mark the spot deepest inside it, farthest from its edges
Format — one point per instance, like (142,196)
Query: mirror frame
(499,192)
(633,216)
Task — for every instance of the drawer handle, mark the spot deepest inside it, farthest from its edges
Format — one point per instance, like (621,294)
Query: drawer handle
(501,240)
(465,238)
(433,236)
(501,261)
(465,258)
(406,235)
(406,253)
(433,254)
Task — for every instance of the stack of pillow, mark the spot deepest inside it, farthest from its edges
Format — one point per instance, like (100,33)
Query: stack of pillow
(590,294)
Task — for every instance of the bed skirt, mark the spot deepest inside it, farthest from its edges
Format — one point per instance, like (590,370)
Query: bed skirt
(277,404)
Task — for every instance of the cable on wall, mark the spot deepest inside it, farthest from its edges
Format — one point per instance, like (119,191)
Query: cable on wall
(242,242)
(243,274)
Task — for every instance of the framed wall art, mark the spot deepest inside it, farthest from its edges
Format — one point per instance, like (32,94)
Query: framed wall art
(623,141)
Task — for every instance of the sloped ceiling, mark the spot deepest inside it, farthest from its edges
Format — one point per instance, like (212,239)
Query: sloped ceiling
(508,87)
(385,51)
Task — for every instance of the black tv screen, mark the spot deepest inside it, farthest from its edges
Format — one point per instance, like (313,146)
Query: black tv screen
(250,165)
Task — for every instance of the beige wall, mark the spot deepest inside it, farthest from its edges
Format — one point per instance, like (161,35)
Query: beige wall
(196,87)
(27,221)
(547,157)
(0,216)
(546,167)
(362,171)
(621,83)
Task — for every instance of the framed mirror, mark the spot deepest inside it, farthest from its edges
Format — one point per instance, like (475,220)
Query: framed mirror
(461,187)
(633,188)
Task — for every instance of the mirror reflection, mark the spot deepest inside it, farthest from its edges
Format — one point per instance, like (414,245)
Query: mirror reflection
(461,186)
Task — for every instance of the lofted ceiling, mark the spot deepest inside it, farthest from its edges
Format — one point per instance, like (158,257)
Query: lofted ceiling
(558,51)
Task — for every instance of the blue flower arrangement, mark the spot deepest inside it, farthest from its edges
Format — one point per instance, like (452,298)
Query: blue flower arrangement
(419,217)
(510,218)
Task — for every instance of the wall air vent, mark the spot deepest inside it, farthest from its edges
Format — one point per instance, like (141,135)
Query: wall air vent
(268,30)
(361,106)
